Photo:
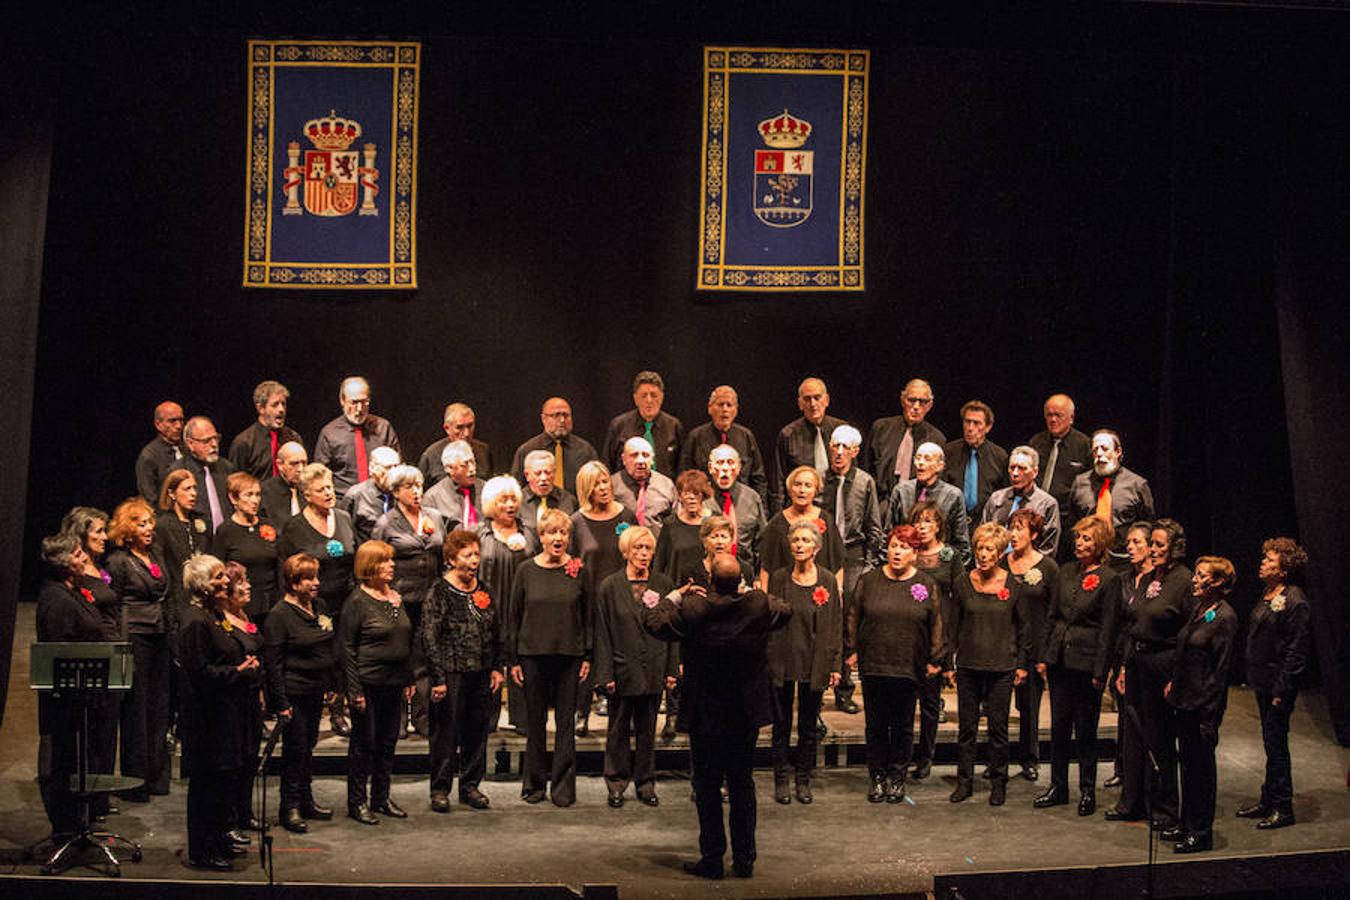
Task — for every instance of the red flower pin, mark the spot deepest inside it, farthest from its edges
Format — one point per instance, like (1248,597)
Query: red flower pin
(250,628)
(267,533)
(820,525)
(573,566)
(87,594)
(820,596)
(481,599)
(1091,581)
(155,571)
(1004,594)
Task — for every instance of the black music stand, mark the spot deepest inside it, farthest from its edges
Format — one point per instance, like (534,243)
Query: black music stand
(78,673)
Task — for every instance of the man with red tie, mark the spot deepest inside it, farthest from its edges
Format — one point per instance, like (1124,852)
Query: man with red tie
(647,494)
(345,443)
(722,428)
(1112,493)
(254,450)
(742,506)
(459,495)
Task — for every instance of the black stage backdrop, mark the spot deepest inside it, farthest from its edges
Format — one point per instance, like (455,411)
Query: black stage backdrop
(1057,200)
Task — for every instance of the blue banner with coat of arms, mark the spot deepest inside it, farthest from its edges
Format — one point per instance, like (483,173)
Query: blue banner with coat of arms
(784,166)
(332,164)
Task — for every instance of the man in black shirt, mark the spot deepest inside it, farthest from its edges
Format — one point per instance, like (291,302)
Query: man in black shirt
(254,450)
(803,442)
(892,442)
(345,443)
(164,452)
(282,498)
(370,499)
(458,423)
(723,407)
(539,492)
(570,451)
(204,462)
(646,420)
(976,464)
(1065,454)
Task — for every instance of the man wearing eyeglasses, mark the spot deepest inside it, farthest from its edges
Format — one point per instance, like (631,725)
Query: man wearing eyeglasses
(888,455)
(570,451)
(210,470)
(345,443)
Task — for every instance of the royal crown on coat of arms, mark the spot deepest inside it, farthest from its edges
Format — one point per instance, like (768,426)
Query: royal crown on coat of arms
(783,173)
(331,172)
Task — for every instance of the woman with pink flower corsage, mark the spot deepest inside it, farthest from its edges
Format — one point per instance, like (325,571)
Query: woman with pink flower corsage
(246,633)
(1075,658)
(803,488)
(805,656)
(939,561)
(893,636)
(632,666)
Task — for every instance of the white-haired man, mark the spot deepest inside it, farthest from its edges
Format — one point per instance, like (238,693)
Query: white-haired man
(1112,493)
(892,440)
(372,498)
(737,502)
(345,443)
(540,490)
(1023,467)
(1065,453)
(459,495)
(927,486)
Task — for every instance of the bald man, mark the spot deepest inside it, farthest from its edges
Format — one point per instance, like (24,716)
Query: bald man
(804,441)
(282,499)
(888,454)
(722,428)
(1065,453)
(570,451)
(646,493)
(164,452)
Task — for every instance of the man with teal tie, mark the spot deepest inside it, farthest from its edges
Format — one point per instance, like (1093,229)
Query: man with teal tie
(976,464)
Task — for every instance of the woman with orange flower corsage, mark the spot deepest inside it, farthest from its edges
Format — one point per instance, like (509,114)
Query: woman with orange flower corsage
(803,487)
(990,637)
(461,633)
(1075,656)
(804,657)
(249,637)
(247,539)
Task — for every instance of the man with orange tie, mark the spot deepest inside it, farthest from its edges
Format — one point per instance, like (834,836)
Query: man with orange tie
(1112,493)
(647,494)
(459,495)
(570,451)
(345,443)
(254,450)
(737,502)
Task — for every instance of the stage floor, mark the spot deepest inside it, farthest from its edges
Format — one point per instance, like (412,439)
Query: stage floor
(840,845)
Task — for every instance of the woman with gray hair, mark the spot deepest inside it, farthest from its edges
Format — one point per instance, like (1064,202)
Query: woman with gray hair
(504,543)
(804,657)
(220,683)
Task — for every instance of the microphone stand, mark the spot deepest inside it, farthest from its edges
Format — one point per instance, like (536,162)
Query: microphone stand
(265,832)
(1155,776)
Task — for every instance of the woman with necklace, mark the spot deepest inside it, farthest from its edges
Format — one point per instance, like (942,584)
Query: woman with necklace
(1036,574)
(180,531)
(942,563)
(461,632)
(249,637)
(1131,769)
(504,543)
(246,539)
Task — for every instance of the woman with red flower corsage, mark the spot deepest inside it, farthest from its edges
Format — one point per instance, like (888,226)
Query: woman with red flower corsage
(548,639)
(894,637)
(141,581)
(461,634)
(1075,657)
(805,657)
(803,487)
(1037,574)
(247,539)
(632,666)
(990,637)
(245,631)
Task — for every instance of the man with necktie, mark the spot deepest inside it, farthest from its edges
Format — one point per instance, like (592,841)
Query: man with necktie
(540,493)
(976,464)
(254,450)
(1112,493)
(458,423)
(927,485)
(282,498)
(570,451)
(737,502)
(345,443)
(372,498)
(1023,467)
(1065,454)
(646,420)
(804,441)
(647,494)
(459,495)
(204,462)
(892,441)
(722,428)
(163,454)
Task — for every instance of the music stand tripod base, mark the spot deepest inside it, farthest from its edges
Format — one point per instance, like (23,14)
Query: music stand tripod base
(70,853)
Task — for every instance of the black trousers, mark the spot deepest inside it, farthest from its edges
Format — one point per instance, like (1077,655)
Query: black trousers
(298,738)
(808,707)
(1146,674)
(636,715)
(210,799)
(459,731)
(1199,774)
(550,680)
(994,690)
(370,752)
(854,569)
(930,707)
(1027,695)
(1277,791)
(145,712)
(888,712)
(103,721)
(729,757)
(58,760)
(1123,750)
(1075,706)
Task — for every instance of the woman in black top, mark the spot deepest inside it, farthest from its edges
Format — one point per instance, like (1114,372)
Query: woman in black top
(299,654)
(249,637)
(65,612)
(679,541)
(1198,690)
(990,638)
(139,577)
(596,527)
(804,657)
(632,666)
(416,533)
(375,646)
(1130,757)
(505,542)
(1075,656)
(1277,650)
(803,487)
(894,637)
(180,531)
(325,533)
(1036,574)
(461,631)
(548,648)
(941,563)
(220,692)
(248,540)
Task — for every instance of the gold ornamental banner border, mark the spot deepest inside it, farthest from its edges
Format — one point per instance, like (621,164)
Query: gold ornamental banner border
(852,68)
(265,57)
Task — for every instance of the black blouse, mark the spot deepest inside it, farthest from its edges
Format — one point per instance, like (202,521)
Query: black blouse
(1038,595)
(142,591)
(335,555)
(775,552)
(178,541)
(498,562)
(895,627)
(375,643)
(1204,653)
(1156,617)
(106,601)
(417,556)
(1277,643)
(596,544)
(678,541)
(550,612)
(255,548)
(217,700)
(625,653)
(988,632)
(461,631)
(810,647)
(298,653)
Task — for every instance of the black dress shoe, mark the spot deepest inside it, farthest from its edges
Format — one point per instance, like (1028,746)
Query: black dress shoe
(877,792)
(1163,825)
(804,794)
(237,850)
(1116,814)
(363,815)
(1114,781)
(583,726)
(895,789)
(705,868)
(291,820)
(615,800)
(533,796)
(1276,819)
(781,794)
(1255,811)
(847,706)
(251,824)
(474,799)
(1030,772)
(821,728)
(440,802)
(1194,843)
(238,838)
(964,789)
(1052,797)
(743,869)
(649,799)
(1175,833)
(1087,804)
(998,792)
(389,808)
(312,810)
(211,863)
(921,771)
(668,730)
